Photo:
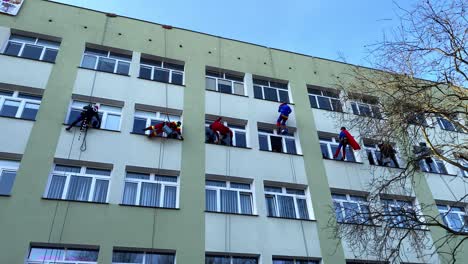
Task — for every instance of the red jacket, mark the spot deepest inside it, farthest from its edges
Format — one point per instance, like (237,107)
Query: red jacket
(217,126)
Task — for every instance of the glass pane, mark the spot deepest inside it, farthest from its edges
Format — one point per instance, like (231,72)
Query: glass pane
(324,103)
(338,212)
(30,111)
(210,202)
(228,201)
(112,122)
(376,112)
(50,55)
(224,86)
(302,208)
(159,259)
(13,49)
(161,75)
(240,139)
(276,144)
(30,96)
(263,141)
(210,84)
(173,66)
(177,78)
(46,254)
(243,260)
(48,43)
(246,203)
(365,110)
(324,149)
(32,52)
(7,178)
(127,257)
(138,125)
(283,261)
(234,77)
(100,172)
(278,84)
(336,105)
(260,82)
(89,62)
(350,154)
(454,221)
(215,183)
(106,65)
(273,189)
(123,68)
(270,94)
(81,255)
(217,260)
(151,62)
(56,187)
(130,193)
(244,186)
(96,52)
(283,96)
(120,56)
(22,38)
(258,92)
(351,212)
(145,72)
(68,169)
(290,146)
(150,193)
(295,191)
(100,191)
(286,206)
(5,93)
(355,109)
(170,196)
(313,101)
(239,88)
(271,205)
(9,108)
(166,178)
(79,188)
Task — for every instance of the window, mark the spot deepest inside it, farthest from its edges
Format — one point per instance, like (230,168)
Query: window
(325,99)
(32,48)
(418,119)
(286,202)
(229,197)
(448,125)
(230,260)
(44,255)
(366,107)
(351,209)
(271,91)
(239,133)
(329,145)
(150,190)
(270,140)
(78,184)
(432,164)
(123,257)
(374,156)
(224,82)
(161,71)
(463,162)
(454,217)
(110,115)
(7,176)
(399,213)
(19,105)
(294,261)
(106,61)
(143,120)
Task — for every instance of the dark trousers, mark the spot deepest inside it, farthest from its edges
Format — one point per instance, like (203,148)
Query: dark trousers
(78,120)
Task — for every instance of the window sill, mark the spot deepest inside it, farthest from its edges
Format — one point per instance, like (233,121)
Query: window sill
(182,85)
(279,102)
(103,129)
(282,153)
(346,161)
(438,173)
(382,166)
(76,201)
(297,219)
(13,56)
(138,134)
(227,146)
(214,212)
(340,112)
(149,207)
(18,118)
(240,95)
(120,74)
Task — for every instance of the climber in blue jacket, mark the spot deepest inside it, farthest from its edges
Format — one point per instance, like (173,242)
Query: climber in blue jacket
(284,111)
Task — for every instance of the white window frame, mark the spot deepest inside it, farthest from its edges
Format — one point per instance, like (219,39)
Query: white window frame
(277,91)
(349,199)
(327,97)
(435,161)
(60,260)
(22,101)
(283,141)
(233,129)
(305,197)
(155,116)
(228,187)
(153,180)
(335,142)
(23,43)
(441,121)
(78,106)
(359,103)
(375,148)
(129,61)
(393,205)
(162,68)
(9,166)
(82,173)
(223,78)
(462,215)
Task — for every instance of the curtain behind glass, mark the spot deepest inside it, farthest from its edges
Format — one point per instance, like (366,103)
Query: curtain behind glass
(246,203)
(271,206)
(283,261)
(79,188)
(150,193)
(56,187)
(210,202)
(228,201)
(170,194)
(302,208)
(242,260)
(100,191)
(159,259)
(286,206)
(130,193)
(217,260)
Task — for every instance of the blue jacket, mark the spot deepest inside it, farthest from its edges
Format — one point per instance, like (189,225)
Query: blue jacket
(284,109)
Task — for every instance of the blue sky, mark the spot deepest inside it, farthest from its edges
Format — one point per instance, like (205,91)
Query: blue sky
(322,28)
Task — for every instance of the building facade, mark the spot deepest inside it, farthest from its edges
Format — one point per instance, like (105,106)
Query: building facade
(112,195)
